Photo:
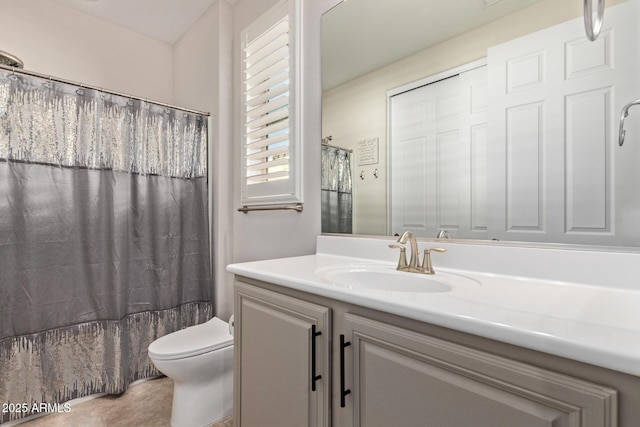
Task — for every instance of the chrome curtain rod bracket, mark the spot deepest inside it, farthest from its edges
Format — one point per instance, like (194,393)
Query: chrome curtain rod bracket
(82,86)
(246,209)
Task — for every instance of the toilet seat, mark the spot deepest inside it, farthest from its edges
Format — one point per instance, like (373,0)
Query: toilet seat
(192,341)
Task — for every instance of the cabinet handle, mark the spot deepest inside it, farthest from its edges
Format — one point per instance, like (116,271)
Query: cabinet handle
(343,392)
(314,376)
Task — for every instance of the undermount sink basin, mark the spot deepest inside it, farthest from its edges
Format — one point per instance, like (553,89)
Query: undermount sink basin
(378,278)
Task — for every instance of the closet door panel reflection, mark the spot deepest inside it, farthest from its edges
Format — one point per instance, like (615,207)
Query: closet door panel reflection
(438,157)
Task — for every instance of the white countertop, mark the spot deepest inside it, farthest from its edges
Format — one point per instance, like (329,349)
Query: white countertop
(595,324)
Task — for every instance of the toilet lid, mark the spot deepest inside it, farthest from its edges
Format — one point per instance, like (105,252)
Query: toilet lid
(192,341)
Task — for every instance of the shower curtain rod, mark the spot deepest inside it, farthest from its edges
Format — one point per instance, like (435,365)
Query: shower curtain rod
(99,89)
(348,150)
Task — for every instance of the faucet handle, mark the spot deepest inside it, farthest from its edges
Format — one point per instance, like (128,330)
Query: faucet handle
(426,261)
(402,261)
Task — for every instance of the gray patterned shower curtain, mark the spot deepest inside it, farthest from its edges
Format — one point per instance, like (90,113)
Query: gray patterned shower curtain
(103,238)
(337,200)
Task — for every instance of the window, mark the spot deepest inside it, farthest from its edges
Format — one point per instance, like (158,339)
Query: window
(270,159)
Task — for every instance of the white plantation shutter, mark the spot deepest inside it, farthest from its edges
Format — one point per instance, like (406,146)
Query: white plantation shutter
(269,162)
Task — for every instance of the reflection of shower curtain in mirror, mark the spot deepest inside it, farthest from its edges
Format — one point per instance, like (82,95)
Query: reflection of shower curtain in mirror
(103,237)
(336,191)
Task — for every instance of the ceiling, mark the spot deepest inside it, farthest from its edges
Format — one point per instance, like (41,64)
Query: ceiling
(359,36)
(164,20)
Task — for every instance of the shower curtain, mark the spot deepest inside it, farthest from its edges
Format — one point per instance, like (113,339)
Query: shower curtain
(103,239)
(336,190)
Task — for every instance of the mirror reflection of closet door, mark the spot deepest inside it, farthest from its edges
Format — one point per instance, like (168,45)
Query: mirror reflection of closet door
(438,157)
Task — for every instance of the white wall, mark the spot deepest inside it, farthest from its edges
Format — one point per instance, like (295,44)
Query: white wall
(262,235)
(211,82)
(56,40)
(357,110)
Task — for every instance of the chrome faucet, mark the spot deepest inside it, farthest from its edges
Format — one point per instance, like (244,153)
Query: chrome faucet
(414,266)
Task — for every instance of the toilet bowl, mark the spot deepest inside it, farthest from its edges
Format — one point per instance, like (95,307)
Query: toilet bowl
(199,360)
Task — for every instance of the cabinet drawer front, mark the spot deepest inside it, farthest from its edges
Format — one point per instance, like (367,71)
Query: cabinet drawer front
(402,378)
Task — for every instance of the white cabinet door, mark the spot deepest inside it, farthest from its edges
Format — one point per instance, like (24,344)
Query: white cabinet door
(438,157)
(556,172)
(281,369)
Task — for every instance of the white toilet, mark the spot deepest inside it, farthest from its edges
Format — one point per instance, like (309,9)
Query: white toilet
(199,360)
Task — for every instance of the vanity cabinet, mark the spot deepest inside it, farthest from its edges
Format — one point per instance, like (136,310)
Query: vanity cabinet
(379,369)
(402,378)
(281,360)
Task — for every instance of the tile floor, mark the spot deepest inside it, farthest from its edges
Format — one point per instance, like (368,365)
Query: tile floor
(146,404)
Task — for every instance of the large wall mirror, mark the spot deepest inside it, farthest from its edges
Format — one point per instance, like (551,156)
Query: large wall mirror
(481,119)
